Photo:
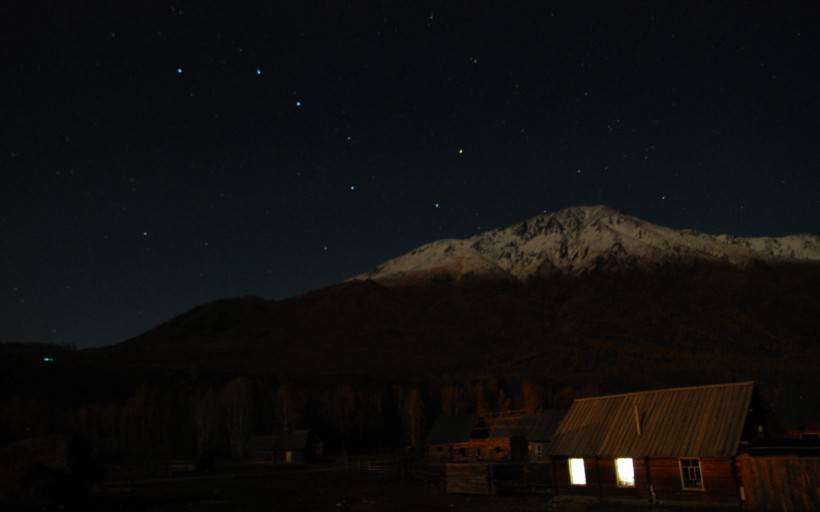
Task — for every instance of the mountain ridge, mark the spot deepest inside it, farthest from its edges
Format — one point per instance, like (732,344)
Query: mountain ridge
(579,239)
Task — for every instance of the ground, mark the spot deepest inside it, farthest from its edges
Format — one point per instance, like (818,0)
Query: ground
(300,490)
(317,489)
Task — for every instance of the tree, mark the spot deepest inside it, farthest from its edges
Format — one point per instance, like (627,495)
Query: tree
(532,396)
(237,400)
(206,417)
(453,400)
(412,414)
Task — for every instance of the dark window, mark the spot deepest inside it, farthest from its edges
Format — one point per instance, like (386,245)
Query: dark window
(690,474)
(497,449)
(478,452)
(462,452)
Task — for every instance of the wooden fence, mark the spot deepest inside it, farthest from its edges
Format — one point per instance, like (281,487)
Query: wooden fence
(786,483)
(469,478)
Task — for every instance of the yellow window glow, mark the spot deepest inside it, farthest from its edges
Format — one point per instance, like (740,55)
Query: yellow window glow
(625,471)
(577,474)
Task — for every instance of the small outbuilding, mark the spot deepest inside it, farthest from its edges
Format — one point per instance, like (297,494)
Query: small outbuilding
(673,446)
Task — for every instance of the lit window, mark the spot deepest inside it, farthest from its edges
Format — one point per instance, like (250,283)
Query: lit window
(625,471)
(690,474)
(577,475)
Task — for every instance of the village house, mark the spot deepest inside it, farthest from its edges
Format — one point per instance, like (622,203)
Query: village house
(510,436)
(675,445)
(483,454)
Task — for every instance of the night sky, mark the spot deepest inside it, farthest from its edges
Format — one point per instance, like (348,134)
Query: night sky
(156,155)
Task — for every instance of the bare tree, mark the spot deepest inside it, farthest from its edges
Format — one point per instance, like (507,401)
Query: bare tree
(237,400)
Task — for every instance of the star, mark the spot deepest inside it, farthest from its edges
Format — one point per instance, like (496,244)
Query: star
(179,71)
(436,205)
(460,151)
(258,71)
(144,234)
(352,187)
(298,103)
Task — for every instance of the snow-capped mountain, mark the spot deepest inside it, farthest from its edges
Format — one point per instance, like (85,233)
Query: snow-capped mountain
(576,240)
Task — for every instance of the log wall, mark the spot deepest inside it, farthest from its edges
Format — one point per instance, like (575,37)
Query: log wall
(663,475)
(787,483)
(491,449)
(720,485)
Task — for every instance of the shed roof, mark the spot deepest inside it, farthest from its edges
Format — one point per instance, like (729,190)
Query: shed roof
(452,429)
(674,422)
(533,427)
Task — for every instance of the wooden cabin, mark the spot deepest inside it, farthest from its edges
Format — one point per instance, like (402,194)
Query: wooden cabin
(486,454)
(669,446)
(293,447)
(450,435)
(505,437)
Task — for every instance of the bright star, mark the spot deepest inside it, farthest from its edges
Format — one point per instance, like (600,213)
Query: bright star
(258,72)
(144,233)
(460,151)
(352,187)
(436,205)
(179,71)
(298,103)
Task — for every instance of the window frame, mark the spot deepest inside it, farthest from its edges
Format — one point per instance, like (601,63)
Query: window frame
(621,483)
(583,468)
(700,474)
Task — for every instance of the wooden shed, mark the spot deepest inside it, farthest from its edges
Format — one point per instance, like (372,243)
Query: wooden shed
(674,446)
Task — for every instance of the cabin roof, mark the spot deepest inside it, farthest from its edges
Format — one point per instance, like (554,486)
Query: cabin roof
(674,422)
(533,427)
(452,429)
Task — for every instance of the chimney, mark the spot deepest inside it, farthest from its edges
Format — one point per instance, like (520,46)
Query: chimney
(637,419)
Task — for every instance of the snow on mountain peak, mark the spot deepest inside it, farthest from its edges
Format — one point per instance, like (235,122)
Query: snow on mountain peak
(578,239)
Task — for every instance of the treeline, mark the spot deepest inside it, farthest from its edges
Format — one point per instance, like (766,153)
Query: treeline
(213,417)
